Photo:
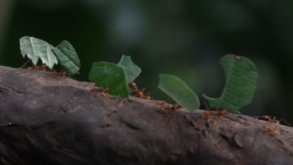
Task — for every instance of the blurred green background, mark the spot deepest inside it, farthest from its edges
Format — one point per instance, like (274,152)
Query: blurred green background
(185,38)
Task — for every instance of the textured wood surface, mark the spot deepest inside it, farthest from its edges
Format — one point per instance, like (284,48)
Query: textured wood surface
(55,120)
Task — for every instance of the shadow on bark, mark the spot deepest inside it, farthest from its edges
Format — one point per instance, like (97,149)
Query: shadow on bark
(49,120)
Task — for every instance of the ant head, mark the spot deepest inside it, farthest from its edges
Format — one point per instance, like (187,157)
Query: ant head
(265,127)
(93,90)
(140,94)
(162,110)
(54,73)
(266,117)
(132,84)
(177,106)
(207,113)
(275,132)
(105,90)
(147,97)
(224,112)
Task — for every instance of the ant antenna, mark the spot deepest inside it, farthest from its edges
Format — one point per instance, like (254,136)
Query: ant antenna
(25,63)
(284,122)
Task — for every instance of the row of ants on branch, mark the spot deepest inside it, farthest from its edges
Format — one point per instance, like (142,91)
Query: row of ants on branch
(44,67)
(140,93)
(164,106)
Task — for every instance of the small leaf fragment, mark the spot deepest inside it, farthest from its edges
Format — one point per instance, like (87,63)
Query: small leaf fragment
(67,57)
(132,71)
(179,91)
(35,48)
(110,76)
(241,80)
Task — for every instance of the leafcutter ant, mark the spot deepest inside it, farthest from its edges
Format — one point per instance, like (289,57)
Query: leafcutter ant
(175,107)
(139,93)
(162,104)
(95,89)
(163,108)
(100,90)
(274,132)
(216,113)
(61,74)
(273,120)
(42,67)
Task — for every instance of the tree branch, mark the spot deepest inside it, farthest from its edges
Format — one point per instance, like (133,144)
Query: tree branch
(56,120)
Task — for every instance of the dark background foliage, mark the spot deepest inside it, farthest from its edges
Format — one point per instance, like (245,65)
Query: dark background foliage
(185,38)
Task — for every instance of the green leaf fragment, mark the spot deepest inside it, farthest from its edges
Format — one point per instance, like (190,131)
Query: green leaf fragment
(241,80)
(132,71)
(35,48)
(179,91)
(67,57)
(110,76)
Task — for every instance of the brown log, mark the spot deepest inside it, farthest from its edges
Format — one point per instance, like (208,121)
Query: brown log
(55,120)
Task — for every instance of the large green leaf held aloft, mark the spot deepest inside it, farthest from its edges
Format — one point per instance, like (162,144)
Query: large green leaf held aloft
(110,76)
(241,79)
(131,70)
(115,77)
(35,48)
(179,91)
(67,57)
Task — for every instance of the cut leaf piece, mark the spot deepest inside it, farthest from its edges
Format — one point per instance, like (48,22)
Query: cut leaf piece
(110,76)
(132,71)
(35,48)
(179,91)
(67,57)
(241,79)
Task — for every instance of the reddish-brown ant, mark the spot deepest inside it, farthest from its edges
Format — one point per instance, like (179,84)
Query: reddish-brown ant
(274,132)
(133,86)
(272,120)
(139,93)
(95,89)
(61,74)
(216,113)
(148,97)
(163,108)
(175,107)
(41,67)
(161,102)
(101,90)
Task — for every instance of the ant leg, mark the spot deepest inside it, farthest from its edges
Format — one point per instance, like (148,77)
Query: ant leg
(285,122)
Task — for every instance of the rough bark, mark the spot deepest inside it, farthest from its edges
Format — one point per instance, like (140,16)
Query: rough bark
(55,120)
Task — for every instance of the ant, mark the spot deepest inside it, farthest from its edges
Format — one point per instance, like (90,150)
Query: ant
(175,107)
(139,93)
(161,103)
(95,89)
(272,120)
(133,86)
(61,74)
(216,113)
(274,132)
(101,90)
(163,108)
(42,67)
